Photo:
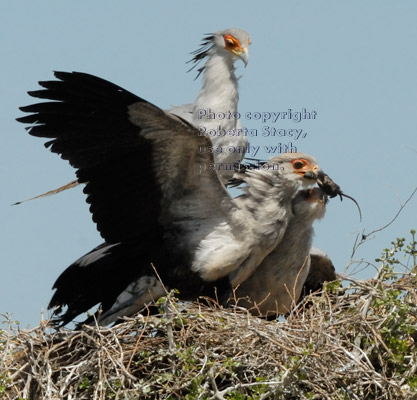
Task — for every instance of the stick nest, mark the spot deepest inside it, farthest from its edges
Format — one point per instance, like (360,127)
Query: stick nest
(353,343)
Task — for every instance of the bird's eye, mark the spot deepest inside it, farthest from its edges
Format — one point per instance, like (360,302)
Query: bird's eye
(298,164)
(229,41)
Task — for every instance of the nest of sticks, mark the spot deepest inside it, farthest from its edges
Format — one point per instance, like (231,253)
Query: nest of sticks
(356,342)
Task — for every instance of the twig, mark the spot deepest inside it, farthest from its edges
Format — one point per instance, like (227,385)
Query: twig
(362,238)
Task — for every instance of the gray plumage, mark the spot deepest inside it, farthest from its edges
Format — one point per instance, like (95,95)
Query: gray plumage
(267,206)
(276,283)
(219,95)
(155,197)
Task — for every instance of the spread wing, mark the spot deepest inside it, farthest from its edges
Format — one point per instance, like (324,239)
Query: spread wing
(139,163)
(151,186)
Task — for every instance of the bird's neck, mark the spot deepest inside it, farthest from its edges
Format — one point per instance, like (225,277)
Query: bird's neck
(219,93)
(296,243)
(268,200)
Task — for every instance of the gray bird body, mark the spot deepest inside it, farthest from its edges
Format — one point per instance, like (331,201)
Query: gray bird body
(266,208)
(259,221)
(276,283)
(154,198)
(219,96)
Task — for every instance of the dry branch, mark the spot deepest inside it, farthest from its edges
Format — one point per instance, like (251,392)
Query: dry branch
(358,342)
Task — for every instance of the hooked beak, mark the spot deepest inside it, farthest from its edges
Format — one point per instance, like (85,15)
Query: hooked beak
(315,174)
(243,55)
(311,173)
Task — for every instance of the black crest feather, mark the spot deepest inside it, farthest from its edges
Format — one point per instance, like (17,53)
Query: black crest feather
(201,53)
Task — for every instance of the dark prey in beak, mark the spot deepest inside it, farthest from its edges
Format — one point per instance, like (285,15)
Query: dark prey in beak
(331,188)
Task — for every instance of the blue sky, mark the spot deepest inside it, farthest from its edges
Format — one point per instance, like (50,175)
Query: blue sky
(354,63)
